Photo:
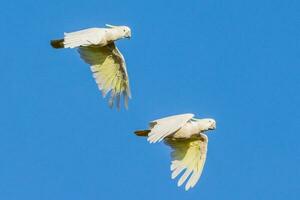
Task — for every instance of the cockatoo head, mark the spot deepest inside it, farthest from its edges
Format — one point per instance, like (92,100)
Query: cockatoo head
(125,30)
(207,124)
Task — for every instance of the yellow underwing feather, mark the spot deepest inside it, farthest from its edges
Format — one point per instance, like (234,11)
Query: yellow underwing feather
(109,71)
(188,156)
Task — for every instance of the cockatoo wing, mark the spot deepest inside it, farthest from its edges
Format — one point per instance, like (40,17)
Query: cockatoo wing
(86,37)
(109,70)
(188,155)
(164,127)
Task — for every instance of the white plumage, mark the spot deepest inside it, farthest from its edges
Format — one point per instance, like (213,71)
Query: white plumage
(185,135)
(163,127)
(97,48)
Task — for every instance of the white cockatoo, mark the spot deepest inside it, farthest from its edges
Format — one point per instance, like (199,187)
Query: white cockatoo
(97,48)
(185,135)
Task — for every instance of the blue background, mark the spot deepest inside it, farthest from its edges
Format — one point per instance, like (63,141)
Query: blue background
(235,61)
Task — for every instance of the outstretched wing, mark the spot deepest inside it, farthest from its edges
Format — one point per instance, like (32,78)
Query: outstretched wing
(188,155)
(109,70)
(164,127)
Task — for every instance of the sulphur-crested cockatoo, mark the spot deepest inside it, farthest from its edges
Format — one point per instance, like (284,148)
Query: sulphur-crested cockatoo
(97,48)
(185,135)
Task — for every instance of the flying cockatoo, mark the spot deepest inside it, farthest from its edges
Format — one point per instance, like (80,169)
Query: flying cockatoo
(97,48)
(185,135)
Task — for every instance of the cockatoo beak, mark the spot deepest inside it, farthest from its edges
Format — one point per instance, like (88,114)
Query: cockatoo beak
(213,126)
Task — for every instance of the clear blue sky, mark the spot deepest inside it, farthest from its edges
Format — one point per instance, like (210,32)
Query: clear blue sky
(235,61)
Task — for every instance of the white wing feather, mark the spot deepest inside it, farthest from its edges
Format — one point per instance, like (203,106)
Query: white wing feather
(188,155)
(86,37)
(164,127)
(109,70)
